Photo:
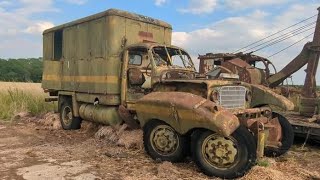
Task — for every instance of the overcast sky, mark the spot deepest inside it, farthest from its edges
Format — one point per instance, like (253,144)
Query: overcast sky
(199,26)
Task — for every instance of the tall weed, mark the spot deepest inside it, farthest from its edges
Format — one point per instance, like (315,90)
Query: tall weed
(14,100)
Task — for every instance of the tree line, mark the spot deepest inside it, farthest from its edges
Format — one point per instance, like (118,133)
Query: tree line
(21,70)
(30,70)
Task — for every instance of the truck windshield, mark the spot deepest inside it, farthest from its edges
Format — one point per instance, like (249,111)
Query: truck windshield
(167,56)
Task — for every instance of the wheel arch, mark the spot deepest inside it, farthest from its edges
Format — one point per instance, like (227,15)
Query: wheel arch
(186,111)
(62,99)
(187,132)
(196,130)
(71,97)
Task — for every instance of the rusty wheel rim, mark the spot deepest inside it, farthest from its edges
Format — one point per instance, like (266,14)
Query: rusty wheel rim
(164,140)
(220,152)
(67,115)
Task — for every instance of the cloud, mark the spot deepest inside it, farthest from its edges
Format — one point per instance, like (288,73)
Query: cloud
(29,7)
(208,6)
(257,14)
(233,33)
(20,32)
(243,4)
(38,27)
(77,2)
(5,3)
(160,2)
(200,7)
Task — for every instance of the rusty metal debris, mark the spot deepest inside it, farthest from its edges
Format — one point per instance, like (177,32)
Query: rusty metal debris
(245,65)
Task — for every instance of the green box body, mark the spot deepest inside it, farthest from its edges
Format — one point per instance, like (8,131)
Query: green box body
(90,51)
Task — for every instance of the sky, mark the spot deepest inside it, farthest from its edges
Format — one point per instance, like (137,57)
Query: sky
(199,26)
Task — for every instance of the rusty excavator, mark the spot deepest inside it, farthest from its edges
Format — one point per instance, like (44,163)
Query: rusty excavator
(260,70)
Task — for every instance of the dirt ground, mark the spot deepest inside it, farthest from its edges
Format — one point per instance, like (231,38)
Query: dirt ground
(37,148)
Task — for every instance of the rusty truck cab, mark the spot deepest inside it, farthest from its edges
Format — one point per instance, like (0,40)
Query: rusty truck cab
(145,64)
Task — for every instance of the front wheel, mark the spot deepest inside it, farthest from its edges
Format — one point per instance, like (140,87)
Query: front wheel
(224,157)
(286,140)
(163,143)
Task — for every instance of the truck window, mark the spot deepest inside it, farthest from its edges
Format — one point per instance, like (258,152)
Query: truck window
(135,59)
(179,60)
(163,55)
(58,40)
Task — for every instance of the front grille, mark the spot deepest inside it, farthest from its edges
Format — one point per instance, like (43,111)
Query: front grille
(232,97)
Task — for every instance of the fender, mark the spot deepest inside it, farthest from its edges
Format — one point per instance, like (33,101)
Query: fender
(262,95)
(186,111)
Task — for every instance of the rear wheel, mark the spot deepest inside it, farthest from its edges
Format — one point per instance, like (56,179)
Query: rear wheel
(67,119)
(224,157)
(286,140)
(163,143)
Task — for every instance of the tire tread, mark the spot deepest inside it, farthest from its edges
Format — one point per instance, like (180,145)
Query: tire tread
(242,133)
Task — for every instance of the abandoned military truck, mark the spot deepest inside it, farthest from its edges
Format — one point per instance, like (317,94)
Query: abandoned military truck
(116,67)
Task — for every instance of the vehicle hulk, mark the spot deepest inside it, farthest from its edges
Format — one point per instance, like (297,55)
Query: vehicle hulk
(254,69)
(116,67)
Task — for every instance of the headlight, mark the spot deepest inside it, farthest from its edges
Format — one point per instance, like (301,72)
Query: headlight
(215,96)
(268,114)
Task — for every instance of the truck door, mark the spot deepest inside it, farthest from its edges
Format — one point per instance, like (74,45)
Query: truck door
(138,74)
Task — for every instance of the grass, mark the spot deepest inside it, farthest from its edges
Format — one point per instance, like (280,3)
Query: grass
(22,97)
(263,163)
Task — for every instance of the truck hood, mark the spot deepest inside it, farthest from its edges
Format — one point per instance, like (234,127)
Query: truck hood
(209,82)
(261,95)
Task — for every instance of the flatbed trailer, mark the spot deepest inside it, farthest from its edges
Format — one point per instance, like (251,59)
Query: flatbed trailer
(303,128)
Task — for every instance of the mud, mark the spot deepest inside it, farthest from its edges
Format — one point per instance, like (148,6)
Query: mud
(37,148)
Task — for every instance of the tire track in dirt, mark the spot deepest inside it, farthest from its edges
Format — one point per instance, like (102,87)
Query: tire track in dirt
(36,149)
(26,154)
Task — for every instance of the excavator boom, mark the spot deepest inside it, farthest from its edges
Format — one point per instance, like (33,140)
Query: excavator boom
(296,64)
(309,88)
(309,55)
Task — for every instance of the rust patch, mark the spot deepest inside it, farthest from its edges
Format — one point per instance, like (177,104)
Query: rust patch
(127,117)
(190,111)
(135,76)
(275,132)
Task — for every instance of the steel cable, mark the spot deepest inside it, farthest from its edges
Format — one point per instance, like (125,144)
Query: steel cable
(283,36)
(280,40)
(276,33)
(290,45)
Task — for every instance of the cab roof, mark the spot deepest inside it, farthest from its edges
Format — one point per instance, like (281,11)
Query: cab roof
(149,45)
